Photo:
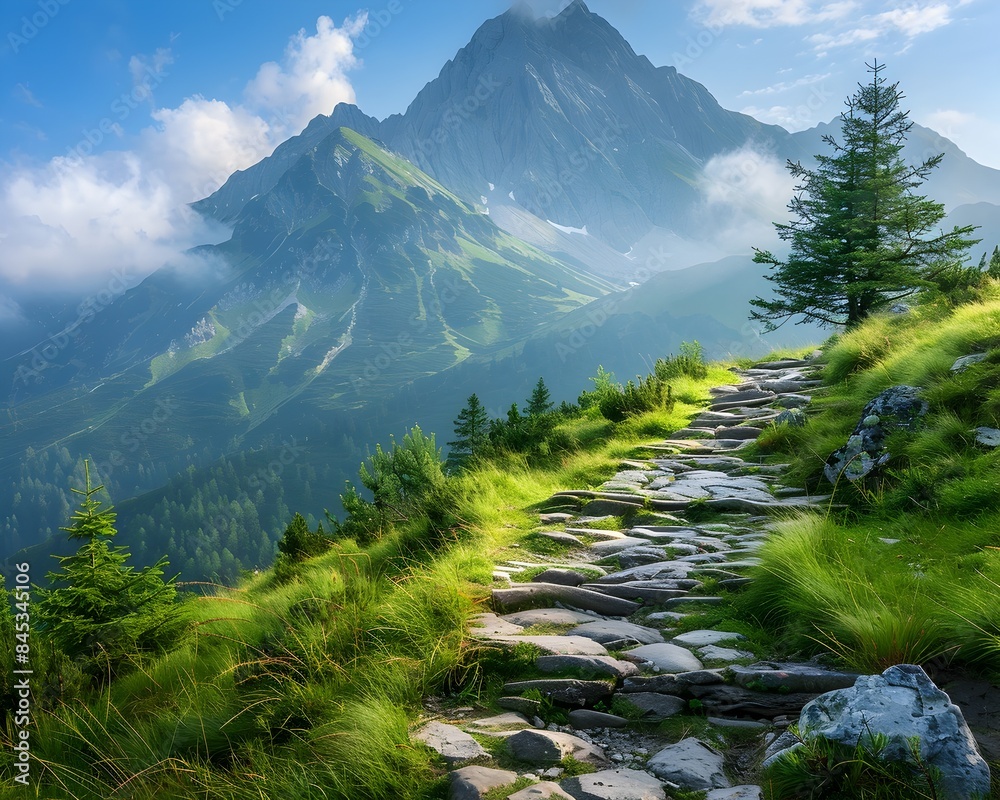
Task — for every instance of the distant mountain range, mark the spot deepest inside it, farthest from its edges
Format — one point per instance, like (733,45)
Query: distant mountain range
(524,217)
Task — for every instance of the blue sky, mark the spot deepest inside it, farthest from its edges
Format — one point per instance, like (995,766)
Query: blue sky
(115,113)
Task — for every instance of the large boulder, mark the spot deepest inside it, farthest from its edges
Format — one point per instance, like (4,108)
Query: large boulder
(690,764)
(864,453)
(902,704)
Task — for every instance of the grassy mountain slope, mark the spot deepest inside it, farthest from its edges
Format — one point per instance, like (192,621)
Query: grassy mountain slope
(306,687)
(354,276)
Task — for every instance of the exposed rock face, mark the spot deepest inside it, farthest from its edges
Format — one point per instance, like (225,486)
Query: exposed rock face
(902,703)
(454,744)
(691,764)
(898,407)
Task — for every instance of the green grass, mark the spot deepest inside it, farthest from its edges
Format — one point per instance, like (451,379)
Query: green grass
(829,583)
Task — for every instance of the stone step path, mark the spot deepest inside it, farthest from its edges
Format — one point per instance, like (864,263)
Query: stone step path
(602,619)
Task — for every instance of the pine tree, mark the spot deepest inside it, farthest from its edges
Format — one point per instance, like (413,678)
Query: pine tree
(540,402)
(863,239)
(100,611)
(993,270)
(471,432)
(299,543)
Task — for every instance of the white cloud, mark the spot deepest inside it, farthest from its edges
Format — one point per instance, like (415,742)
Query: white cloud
(312,79)
(72,222)
(915,19)
(770,13)
(10,311)
(743,192)
(786,86)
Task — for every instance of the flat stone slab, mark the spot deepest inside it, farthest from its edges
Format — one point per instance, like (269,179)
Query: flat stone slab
(617,784)
(586,666)
(554,518)
(612,546)
(564,577)
(778,676)
(658,570)
(551,747)
(697,599)
(665,657)
(690,764)
(655,706)
(487,625)
(608,631)
(586,719)
(564,691)
(639,592)
(471,783)
(542,595)
(548,616)
(712,652)
(701,638)
(453,744)
(522,705)
(541,790)
(511,721)
(555,645)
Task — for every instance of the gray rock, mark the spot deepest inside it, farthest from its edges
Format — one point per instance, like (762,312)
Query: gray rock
(585,719)
(556,645)
(548,616)
(902,703)
(691,764)
(540,595)
(565,691)
(615,508)
(564,577)
(607,631)
(964,363)
(737,433)
(897,408)
(736,793)
(793,401)
(540,790)
(618,784)
(678,683)
(988,437)
(701,638)
(735,399)
(552,519)
(776,676)
(522,705)
(471,783)
(551,747)
(586,666)
(453,744)
(511,721)
(647,592)
(713,652)
(665,657)
(612,546)
(655,706)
